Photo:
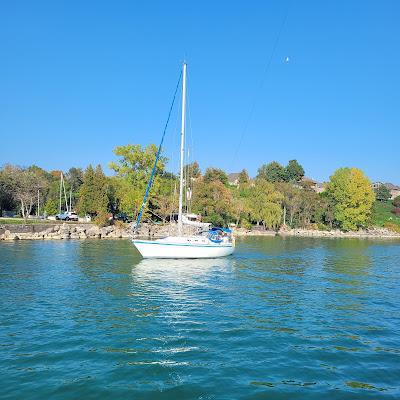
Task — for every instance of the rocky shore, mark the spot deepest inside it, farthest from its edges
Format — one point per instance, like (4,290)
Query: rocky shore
(59,231)
(90,231)
(373,233)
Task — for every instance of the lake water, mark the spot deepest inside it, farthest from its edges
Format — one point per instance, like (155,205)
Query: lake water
(281,319)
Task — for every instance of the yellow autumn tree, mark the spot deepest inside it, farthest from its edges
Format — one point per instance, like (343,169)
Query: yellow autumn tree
(264,203)
(132,173)
(353,197)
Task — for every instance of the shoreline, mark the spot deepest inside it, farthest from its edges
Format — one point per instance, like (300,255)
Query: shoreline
(373,233)
(65,231)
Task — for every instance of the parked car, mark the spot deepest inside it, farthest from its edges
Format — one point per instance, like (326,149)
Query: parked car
(67,216)
(123,217)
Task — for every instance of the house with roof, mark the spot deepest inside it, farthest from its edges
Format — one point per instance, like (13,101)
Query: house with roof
(393,189)
(233,178)
(318,187)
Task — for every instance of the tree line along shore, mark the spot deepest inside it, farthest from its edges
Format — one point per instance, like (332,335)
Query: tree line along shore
(279,198)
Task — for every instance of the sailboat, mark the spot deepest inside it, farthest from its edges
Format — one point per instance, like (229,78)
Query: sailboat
(213,243)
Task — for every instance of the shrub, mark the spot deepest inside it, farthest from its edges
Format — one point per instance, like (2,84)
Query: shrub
(396,201)
(246,224)
(102,219)
(382,193)
(51,207)
(119,224)
(393,227)
(322,227)
(396,211)
(215,219)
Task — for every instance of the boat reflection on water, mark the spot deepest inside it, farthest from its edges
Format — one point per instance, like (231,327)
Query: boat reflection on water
(185,272)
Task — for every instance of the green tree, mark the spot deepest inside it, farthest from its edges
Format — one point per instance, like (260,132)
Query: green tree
(74,180)
(93,199)
(24,185)
(272,172)
(271,215)
(165,202)
(113,200)
(51,207)
(136,163)
(40,173)
(264,203)
(192,170)
(213,201)
(215,174)
(133,170)
(291,202)
(294,171)
(7,197)
(75,177)
(327,210)
(52,198)
(129,197)
(352,195)
(243,178)
(311,209)
(382,193)
(239,207)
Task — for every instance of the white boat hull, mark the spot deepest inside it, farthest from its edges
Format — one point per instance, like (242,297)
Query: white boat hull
(182,248)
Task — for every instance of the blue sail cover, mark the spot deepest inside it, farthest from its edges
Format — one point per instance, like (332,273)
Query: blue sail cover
(217,228)
(215,236)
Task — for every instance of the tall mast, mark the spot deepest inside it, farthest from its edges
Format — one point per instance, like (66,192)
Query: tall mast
(182,149)
(61,177)
(65,194)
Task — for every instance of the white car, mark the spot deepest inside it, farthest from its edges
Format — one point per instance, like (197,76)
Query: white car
(67,216)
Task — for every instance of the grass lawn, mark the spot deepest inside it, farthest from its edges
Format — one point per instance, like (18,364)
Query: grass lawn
(382,214)
(20,221)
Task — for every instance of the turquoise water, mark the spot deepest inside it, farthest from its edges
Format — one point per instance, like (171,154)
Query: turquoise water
(281,319)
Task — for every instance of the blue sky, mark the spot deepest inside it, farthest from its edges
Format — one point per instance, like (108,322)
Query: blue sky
(79,78)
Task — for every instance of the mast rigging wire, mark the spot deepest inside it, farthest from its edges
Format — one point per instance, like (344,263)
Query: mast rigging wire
(146,195)
(262,81)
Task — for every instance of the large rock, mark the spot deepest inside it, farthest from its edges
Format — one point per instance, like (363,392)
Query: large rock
(64,229)
(49,230)
(81,229)
(94,231)
(106,230)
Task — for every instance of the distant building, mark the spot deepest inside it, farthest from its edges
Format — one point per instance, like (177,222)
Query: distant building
(393,189)
(375,185)
(233,178)
(395,193)
(318,187)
